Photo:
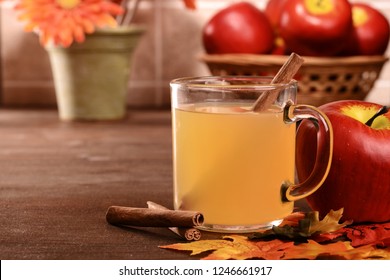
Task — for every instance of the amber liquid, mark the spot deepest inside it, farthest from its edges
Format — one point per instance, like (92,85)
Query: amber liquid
(230,164)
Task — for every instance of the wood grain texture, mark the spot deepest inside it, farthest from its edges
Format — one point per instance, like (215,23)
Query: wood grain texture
(57,180)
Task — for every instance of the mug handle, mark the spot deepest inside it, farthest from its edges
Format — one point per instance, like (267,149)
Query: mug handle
(292,114)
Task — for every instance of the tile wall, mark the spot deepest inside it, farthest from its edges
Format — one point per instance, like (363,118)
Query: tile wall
(168,50)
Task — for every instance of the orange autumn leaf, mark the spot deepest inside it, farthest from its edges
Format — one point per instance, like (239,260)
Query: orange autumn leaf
(244,249)
(313,250)
(373,234)
(240,247)
(234,247)
(367,252)
(327,236)
(292,219)
(339,250)
(360,235)
(300,236)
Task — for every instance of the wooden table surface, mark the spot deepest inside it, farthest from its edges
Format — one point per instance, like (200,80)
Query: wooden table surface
(58,179)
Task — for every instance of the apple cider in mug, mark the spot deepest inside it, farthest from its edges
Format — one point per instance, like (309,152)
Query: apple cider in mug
(228,157)
(234,162)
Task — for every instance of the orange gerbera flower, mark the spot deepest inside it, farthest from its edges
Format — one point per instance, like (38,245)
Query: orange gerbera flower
(190,4)
(66,21)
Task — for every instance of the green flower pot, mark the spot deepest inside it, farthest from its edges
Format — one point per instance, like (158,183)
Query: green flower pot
(91,78)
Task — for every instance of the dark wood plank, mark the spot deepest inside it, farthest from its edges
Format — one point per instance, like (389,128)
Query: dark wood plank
(57,180)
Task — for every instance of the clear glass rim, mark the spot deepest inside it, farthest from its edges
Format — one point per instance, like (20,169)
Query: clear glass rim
(258,82)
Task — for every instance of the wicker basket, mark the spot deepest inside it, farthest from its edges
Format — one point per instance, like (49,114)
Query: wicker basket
(320,80)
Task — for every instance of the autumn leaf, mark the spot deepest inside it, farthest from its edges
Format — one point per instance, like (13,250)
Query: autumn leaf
(241,248)
(374,234)
(226,247)
(300,236)
(337,250)
(306,227)
(292,219)
(313,250)
(367,252)
(329,223)
(234,247)
(329,236)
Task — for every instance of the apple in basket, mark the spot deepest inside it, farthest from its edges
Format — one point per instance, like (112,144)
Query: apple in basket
(273,9)
(359,176)
(371,31)
(238,28)
(315,28)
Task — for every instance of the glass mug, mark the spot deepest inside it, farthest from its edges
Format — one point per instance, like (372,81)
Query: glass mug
(237,166)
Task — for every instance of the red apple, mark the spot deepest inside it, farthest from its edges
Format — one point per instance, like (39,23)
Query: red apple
(359,176)
(315,27)
(273,10)
(371,31)
(239,28)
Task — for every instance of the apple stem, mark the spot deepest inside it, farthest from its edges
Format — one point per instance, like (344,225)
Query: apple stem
(381,111)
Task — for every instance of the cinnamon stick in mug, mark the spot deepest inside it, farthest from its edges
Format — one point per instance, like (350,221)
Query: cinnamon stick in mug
(146,217)
(284,75)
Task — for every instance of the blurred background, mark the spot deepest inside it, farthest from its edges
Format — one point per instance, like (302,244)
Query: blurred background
(170,49)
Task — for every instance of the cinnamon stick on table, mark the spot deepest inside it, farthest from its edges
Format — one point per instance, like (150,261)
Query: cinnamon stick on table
(189,233)
(147,217)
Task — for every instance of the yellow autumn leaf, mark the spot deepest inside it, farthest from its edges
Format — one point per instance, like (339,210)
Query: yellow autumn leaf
(234,247)
(367,252)
(312,250)
(338,250)
(240,248)
(201,246)
(329,223)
